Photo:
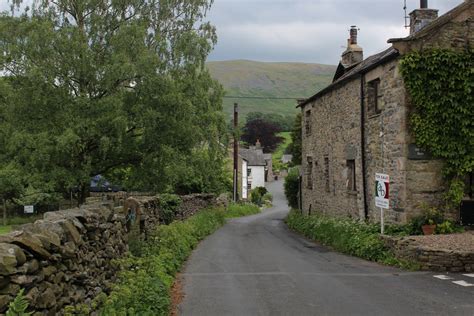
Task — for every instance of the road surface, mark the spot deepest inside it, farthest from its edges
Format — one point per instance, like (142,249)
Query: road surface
(256,266)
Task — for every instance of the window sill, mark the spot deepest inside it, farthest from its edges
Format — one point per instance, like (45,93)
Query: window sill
(349,192)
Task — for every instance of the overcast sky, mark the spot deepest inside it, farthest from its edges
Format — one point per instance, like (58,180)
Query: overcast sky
(307,30)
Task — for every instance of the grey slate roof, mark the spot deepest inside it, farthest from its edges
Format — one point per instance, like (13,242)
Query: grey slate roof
(361,68)
(286,158)
(254,157)
(267,156)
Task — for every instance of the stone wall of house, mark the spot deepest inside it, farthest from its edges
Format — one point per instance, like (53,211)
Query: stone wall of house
(424,181)
(336,135)
(415,178)
(455,34)
(431,258)
(334,138)
(386,140)
(66,258)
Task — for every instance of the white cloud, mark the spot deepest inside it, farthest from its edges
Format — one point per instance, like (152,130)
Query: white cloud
(303,30)
(307,30)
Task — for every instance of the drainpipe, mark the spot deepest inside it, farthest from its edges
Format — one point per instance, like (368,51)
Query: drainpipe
(362,143)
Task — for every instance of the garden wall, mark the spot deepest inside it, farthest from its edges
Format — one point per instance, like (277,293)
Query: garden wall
(67,257)
(458,257)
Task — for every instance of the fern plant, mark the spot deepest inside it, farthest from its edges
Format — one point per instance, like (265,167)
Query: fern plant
(18,306)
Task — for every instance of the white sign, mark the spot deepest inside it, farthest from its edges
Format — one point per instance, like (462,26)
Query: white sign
(382,186)
(29,209)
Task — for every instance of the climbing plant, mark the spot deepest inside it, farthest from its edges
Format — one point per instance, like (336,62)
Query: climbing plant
(440,83)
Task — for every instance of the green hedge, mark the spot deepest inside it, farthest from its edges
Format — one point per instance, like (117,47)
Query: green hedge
(345,235)
(146,280)
(292,187)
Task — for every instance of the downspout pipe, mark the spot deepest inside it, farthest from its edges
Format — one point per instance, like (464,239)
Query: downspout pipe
(362,143)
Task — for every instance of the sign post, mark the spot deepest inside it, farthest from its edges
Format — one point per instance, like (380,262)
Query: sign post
(29,209)
(382,182)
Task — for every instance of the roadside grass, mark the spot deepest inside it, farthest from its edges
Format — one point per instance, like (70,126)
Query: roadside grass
(145,283)
(241,209)
(348,236)
(18,220)
(279,152)
(5,229)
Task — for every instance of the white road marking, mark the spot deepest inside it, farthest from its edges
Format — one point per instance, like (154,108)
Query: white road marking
(469,275)
(442,277)
(462,283)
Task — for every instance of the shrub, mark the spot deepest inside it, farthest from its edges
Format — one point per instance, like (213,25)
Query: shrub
(256,195)
(448,227)
(432,215)
(355,238)
(145,283)
(267,197)
(168,204)
(292,183)
(241,209)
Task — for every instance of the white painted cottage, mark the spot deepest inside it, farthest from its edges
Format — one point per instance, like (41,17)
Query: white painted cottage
(253,169)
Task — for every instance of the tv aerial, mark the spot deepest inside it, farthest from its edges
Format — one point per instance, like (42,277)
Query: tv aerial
(407,18)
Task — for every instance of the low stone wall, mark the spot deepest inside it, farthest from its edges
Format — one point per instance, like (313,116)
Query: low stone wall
(67,257)
(431,258)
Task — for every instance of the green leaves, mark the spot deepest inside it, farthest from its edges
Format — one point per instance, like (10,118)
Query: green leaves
(145,284)
(117,88)
(343,234)
(19,305)
(440,83)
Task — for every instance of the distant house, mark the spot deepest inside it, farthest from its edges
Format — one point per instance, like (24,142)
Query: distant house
(268,167)
(254,168)
(286,158)
(359,126)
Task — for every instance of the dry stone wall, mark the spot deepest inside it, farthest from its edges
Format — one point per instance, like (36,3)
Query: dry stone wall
(431,258)
(67,257)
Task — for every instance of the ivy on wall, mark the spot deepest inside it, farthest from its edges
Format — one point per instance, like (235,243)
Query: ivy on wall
(441,85)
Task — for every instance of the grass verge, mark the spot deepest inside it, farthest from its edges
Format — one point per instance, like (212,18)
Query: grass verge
(145,283)
(5,229)
(347,236)
(279,152)
(244,209)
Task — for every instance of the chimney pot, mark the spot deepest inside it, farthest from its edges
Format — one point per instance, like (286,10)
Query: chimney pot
(353,34)
(423,4)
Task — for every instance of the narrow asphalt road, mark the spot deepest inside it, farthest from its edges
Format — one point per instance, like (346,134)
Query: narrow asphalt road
(256,266)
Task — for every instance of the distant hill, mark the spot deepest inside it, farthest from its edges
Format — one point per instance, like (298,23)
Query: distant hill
(264,79)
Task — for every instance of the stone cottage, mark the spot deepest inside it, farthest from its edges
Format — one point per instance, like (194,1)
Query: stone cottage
(359,126)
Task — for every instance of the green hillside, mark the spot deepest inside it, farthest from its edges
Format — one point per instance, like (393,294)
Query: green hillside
(251,78)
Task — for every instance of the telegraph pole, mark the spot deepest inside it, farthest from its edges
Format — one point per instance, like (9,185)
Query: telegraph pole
(236,151)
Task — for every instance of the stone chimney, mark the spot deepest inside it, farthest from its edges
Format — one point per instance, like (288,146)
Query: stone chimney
(421,17)
(354,53)
(258,145)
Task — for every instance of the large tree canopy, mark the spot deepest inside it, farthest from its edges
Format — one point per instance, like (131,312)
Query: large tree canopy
(263,131)
(112,87)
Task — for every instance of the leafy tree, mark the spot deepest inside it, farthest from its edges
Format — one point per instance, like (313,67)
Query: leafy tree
(284,123)
(296,145)
(263,131)
(117,88)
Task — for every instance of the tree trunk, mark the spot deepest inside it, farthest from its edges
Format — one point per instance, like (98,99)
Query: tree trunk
(82,194)
(4,212)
